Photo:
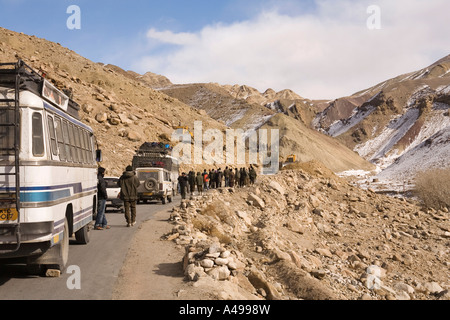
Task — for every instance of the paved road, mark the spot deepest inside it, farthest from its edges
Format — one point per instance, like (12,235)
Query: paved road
(99,264)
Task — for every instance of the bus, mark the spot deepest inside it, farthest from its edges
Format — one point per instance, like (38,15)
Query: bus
(48,170)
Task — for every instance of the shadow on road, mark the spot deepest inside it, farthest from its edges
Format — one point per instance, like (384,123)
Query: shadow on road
(170,270)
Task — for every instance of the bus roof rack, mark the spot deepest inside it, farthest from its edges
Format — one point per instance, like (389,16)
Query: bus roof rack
(32,81)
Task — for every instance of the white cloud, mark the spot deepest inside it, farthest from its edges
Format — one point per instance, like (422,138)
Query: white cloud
(328,54)
(183,38)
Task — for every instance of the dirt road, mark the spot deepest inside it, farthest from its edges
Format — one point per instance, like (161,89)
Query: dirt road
(153,267)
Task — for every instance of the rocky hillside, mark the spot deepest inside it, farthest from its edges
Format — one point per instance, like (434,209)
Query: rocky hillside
(308,145)
(245,108)
(119,105)
(402,124)
(242,106)
(308,234)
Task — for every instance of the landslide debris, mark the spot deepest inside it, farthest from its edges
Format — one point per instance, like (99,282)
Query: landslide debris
(308,234)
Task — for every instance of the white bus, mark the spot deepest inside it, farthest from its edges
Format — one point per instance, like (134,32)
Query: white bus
(48,170)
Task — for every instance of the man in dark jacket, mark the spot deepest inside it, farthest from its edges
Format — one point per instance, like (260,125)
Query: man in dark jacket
(129,183)
(100,221)
(226,175)
(237,177)
(192,182)
(183,182)
(219,177)
(252,174)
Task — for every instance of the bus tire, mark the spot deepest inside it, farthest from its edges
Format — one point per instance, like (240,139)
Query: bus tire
(55,257)
(64,247)
(82,235)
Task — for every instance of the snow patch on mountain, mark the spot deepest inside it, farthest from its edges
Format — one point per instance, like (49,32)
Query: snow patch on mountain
(432,153)
(341,126)
(378,147)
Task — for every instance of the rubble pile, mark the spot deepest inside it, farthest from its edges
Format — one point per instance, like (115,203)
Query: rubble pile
(308,234)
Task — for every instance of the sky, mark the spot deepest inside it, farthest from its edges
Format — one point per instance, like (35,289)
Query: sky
(321,49)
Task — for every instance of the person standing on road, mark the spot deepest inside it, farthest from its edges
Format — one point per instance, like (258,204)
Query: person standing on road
(205,180)
(252,174)
(226,175)
(100,221)
(183,183)
(237,177)
(192,182)
(199,179)
(129,183)
(231,178)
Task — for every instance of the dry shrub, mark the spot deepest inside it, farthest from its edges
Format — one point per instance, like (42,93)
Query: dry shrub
(433,188)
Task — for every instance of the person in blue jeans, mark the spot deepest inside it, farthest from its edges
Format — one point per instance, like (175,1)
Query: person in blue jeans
(100,222)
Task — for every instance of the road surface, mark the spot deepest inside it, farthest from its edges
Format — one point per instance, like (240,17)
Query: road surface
(92,269)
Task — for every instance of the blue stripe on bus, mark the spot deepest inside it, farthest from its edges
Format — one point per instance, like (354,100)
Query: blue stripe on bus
(76,188)
(44,196)
(49,193)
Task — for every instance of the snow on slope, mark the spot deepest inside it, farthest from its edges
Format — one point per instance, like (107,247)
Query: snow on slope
(378,147)
(341,126)
(432,153)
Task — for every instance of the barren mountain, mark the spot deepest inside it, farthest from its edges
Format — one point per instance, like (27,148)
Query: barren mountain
(402,124)
(119,105)
(309,145)
(246,108)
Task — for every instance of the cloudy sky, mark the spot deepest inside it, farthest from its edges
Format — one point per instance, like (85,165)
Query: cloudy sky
(321,49)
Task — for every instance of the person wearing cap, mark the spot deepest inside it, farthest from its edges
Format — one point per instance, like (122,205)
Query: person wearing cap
(100,221)
(129,184)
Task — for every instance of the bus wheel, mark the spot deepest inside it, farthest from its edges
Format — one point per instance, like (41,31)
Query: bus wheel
(82,235)
(55,257)
(64,250)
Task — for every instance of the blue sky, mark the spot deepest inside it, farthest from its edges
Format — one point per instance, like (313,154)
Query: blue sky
(318,48)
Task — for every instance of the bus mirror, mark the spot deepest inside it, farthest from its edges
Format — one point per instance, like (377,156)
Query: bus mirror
(98,155)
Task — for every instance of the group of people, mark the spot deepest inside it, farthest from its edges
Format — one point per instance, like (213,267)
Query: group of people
(128,184)
(229,178)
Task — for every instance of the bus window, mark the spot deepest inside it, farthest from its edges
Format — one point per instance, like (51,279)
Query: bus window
(82,147)
(76,135)
(37,132)
(72,144)
(93,155)
(60,140)
(6,133)
(52,135)
(66,141)
(85,146)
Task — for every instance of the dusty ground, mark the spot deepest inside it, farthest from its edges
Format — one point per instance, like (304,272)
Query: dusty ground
(153,268)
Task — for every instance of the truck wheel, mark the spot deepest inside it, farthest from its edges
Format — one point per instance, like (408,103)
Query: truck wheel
(163,200)
(170,199)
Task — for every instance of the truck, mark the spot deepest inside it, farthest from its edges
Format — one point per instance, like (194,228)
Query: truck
(157,171)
